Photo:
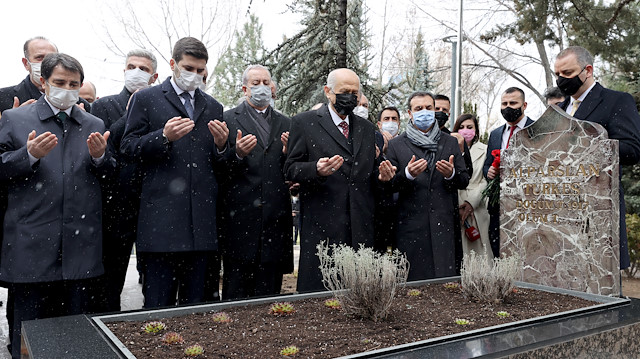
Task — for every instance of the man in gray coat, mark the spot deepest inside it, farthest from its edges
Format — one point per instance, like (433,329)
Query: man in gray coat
(53,155)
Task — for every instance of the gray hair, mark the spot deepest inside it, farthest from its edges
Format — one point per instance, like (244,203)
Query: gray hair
(146,54)
(331,78)
(582,55)
(25,48)
(245,74)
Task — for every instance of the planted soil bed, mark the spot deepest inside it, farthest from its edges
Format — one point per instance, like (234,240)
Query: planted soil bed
(322,332)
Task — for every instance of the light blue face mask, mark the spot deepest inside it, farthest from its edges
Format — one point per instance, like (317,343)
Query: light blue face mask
(424,119)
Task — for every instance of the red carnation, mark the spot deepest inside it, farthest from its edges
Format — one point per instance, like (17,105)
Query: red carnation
(496,158)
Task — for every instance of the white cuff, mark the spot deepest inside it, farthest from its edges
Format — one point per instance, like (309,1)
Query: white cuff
(453,174)
(98,161)
(32,160)
(408,175)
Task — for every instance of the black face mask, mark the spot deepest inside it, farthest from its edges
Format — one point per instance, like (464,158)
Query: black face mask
(570,85)
(511,114)
(345,103)
(442,118)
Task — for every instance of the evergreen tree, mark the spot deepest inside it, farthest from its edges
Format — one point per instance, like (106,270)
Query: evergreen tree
(334,36)
(414,73)
(226,82)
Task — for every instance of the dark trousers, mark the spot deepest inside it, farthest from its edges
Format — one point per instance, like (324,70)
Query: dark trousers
(250,279)
(46,300)
(115,258)
(212,278)
(174,278)
(494,230)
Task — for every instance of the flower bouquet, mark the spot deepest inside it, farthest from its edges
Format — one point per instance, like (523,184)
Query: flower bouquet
(492,191)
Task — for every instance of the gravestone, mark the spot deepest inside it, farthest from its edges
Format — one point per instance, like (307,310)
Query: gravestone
(559,204)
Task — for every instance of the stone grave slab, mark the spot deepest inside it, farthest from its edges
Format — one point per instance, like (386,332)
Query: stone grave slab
(559,204)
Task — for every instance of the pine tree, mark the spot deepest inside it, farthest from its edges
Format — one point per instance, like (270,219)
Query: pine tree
(414,73)
(226,84)
(333,37)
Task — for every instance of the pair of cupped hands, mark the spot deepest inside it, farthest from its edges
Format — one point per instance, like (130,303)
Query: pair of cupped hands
(327,166)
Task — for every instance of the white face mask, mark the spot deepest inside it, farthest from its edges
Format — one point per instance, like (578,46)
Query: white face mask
(35,71)
(361,111)
(391,127)
(187,80)
(62,98)
(203,86)
(136,79)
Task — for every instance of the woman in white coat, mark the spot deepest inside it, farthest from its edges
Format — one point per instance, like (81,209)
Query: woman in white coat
(473,209)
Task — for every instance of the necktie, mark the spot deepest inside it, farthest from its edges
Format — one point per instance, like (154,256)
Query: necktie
(576,104)
(62,116)
(345,128)
(187,104)
(510,134)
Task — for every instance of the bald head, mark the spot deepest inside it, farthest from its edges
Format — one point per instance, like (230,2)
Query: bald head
(342,84)
(88,91)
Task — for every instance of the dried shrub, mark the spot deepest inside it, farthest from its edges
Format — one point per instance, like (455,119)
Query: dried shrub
(364,281)
(487,281)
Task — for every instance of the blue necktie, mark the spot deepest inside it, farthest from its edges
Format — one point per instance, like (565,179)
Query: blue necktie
(187,104)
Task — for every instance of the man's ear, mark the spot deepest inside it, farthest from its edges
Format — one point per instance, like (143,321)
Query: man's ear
(25,63)
(524,106)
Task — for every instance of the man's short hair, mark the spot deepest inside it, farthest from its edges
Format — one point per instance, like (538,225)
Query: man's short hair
(418,94)
(582,55)
(147,55)
(245,73)
(553,92)
(392,108)
(515,89)
(189,46)
(25,48)
(67,62)
(441,97)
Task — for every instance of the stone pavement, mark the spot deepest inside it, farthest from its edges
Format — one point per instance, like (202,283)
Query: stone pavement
(131,299)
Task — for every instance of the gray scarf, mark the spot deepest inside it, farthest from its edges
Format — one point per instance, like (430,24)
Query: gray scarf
(427,141)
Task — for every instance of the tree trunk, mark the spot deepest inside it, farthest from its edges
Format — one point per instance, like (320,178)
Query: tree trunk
(341,60)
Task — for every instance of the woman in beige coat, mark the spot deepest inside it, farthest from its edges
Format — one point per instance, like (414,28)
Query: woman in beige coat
(473,208)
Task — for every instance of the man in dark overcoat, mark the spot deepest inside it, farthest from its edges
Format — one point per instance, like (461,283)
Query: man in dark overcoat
(176,135)
(332,154)
(53,157)
(430,171)
(255,202)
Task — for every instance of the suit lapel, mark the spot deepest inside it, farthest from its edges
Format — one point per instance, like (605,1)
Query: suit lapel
(327,123)
(274,134)
(590,103)
(246,122)
(419,152)
(171,96)
(357,134)
(200,104)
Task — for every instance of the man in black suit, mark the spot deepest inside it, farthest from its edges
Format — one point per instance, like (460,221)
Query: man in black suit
(430,173)
(121,197)
(615,111)
(255,204)
(53,158)
(332,154)
(175,134)
(139,73)
(512,106)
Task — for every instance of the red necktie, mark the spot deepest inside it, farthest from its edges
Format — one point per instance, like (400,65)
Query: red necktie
(345,128)
(510,134)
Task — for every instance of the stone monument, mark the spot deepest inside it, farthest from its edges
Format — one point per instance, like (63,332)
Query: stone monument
(559,204)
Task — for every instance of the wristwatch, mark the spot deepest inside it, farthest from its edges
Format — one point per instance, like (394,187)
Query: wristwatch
(165,140)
